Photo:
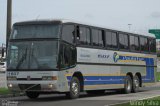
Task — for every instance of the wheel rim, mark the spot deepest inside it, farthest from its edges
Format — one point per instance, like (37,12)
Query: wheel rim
(136,83)
(128,85)
(75,88)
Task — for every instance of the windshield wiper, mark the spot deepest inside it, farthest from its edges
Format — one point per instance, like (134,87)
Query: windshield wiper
(22,59)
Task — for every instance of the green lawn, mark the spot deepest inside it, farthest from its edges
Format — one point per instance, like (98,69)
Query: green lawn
(158,76)
(4,91)
(155,98)
(147,102)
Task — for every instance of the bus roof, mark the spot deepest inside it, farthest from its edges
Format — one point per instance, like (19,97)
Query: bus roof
(60,21)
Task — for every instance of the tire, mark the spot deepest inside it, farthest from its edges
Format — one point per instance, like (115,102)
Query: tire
(128,85)
(136,84)
(32,95)
(96,92)
(74,88)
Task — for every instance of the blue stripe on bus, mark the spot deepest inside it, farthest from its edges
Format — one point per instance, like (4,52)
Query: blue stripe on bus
(98,80)
(102,82)
(103,77)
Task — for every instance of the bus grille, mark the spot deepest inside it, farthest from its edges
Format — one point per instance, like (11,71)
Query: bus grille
(30,87)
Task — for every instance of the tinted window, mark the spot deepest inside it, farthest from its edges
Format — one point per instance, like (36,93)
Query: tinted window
(83,35)
(97,37)
(114,40)
(35,31)
(144,44)
(123,41)
(68,33)
(152,45)
(67,56)
(134,44)
(111,39)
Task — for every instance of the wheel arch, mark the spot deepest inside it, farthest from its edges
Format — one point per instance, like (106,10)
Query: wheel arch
(79,75)
(130,74)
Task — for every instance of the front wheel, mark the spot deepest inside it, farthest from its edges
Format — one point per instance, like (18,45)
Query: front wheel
(32,95)
(136,84)
(74,88)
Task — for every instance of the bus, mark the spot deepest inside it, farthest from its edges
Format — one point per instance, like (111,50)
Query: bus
(62,56)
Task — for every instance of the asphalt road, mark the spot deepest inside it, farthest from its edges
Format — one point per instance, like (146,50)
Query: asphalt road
(109,98)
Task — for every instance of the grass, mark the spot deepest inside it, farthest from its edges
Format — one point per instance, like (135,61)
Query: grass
(4,91)
(155,98)
(147,102)
(158,76)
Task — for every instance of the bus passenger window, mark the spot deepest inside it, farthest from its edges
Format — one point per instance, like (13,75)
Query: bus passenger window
(123,41)
(68,33)
(83,35)
(111,40)
(97,38)
(152,45)
(134,43)
(114,40)
(144,44)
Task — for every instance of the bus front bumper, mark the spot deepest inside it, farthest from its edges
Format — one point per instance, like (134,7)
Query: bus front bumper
(38,86)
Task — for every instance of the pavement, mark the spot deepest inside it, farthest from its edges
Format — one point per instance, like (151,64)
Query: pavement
(108,99)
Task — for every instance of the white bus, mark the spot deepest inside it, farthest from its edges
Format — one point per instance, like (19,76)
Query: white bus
(60,56)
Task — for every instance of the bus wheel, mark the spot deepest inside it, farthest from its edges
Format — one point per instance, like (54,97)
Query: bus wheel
(74,88)
(32,95)
(136,83)
(128,84)
(96,92)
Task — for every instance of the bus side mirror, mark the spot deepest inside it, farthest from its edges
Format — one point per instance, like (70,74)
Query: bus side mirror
(2,52)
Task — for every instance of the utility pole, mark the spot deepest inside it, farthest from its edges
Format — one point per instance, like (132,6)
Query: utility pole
(9,20)
(129,26)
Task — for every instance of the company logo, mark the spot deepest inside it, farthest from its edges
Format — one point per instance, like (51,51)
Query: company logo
(103,56)
(115,57)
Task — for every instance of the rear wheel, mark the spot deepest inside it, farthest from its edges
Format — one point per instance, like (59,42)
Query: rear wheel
(128,84)
(32,95)
(74,88)
(136,83)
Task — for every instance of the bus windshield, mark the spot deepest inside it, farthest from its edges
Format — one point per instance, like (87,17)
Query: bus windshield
(36,55)
(35,31)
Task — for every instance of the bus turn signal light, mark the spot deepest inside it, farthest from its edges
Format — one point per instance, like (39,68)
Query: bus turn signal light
(49,78)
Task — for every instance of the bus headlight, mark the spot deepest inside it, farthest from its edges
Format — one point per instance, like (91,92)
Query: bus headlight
(49,78)
(10,85)
(11,78)
(50,85)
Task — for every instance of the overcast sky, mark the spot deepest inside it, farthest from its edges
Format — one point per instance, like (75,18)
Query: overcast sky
(117,14)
